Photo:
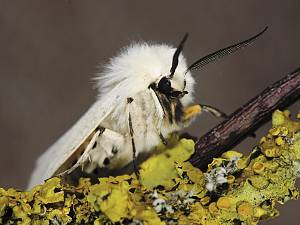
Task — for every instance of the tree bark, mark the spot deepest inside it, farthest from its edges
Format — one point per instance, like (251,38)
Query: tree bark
(245,120)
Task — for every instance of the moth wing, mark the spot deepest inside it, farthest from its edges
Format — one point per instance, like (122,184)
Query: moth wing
(57,154)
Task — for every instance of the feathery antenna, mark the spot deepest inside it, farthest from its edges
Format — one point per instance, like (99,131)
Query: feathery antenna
(223,52)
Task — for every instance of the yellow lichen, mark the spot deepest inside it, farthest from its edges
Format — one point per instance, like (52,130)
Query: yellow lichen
(230,179)
(171,190)
(151,171)
(245,209)
(224,203)
(258,167)
(212,208)
(231,154)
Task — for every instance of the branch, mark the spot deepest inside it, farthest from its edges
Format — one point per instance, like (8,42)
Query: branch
(244,121)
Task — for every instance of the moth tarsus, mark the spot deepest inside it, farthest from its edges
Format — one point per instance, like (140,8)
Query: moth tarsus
(214,111)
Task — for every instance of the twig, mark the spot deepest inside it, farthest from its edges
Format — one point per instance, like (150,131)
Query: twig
(245,120)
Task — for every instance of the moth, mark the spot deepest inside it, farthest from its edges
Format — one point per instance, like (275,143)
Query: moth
(145,94)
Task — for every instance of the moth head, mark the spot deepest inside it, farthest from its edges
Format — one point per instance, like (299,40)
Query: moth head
(164,86)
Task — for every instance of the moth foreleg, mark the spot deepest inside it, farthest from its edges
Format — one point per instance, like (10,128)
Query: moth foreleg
(161,113)
(214,111)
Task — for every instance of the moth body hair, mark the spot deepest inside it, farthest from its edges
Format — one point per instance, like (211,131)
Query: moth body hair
(126,76)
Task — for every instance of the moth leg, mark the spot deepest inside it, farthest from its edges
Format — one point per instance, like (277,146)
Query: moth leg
(135,167)
(214,111)
(160,112)
(191,111)
(86,154)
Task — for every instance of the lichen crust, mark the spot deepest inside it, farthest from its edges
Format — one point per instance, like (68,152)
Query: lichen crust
(235,189)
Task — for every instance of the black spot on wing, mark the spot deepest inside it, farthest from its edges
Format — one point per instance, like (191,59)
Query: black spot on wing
(114,150)
(94,145)
(129,100)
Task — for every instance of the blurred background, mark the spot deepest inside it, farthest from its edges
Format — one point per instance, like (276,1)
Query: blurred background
(49,51)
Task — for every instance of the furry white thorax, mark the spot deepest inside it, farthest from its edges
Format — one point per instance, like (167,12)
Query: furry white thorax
(131,73)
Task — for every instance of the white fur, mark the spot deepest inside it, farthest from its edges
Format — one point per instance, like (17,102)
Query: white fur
(127,75)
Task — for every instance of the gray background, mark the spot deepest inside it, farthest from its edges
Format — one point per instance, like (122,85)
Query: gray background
(49,50)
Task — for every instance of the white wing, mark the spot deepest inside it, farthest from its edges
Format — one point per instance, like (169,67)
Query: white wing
(65,146)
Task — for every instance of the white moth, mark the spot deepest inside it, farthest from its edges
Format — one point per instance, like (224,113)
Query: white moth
(144,95)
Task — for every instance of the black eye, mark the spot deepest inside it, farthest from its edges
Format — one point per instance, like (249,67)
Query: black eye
(164,85)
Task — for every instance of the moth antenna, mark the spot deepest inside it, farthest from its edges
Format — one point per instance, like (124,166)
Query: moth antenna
(223,52)
(176,55)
